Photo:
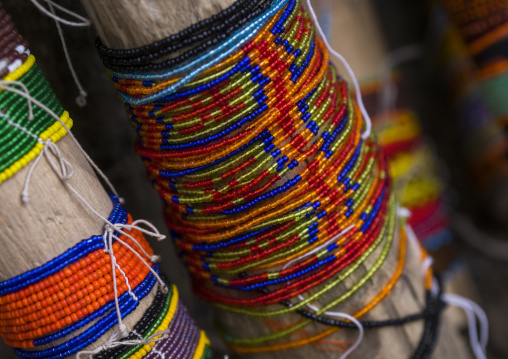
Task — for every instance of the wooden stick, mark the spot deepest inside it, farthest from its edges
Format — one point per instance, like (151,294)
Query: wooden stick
(53,220)
(128,24)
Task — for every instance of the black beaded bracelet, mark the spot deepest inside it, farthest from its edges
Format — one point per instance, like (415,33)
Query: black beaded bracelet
(225,27)
(151,315)
(192,29)
(193,52)
(433,308)
(430,331)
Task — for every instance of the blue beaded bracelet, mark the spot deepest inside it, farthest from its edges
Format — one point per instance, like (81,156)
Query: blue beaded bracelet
(80,250)
(92,334)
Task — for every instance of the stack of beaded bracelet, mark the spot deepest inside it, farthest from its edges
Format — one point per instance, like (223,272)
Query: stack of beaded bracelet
(69,303)
(271,193)
(475,49)
(483,25)
(412,166)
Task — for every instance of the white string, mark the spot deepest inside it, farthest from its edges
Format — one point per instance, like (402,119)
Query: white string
(81,98)
(49,150)
(324,245)
(27,95)
(113,342)
(83,21)
(472,311)
(158,352)
(360,331)
(129,288)
(112,229)
(64,172)
(403,212)
(17,126)
(5,85)
(108,239)
(359,100)
(348,317)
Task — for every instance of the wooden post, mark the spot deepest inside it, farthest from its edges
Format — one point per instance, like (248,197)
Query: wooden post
(53,220)
(129,24)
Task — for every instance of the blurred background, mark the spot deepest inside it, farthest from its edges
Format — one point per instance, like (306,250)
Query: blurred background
(452,80)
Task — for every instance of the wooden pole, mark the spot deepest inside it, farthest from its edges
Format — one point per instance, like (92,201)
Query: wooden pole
(53,220)
(127,24)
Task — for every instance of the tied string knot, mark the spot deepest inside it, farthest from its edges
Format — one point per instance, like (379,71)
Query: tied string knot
(113,231)
(114,341)
(60,165)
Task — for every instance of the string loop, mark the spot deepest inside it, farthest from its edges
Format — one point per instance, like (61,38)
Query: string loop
(82,21)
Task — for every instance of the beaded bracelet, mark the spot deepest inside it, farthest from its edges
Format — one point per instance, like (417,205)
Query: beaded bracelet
(481,24)
(475,42)
(193,29)
(19,147)
(222,30)
(104,317)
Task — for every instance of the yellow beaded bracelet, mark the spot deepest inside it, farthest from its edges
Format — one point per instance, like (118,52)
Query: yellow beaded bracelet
(56,131)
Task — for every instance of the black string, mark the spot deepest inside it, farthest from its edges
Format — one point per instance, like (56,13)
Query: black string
(434,306)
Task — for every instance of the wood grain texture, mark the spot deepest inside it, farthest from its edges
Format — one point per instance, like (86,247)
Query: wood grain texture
(120,25)
(53,220)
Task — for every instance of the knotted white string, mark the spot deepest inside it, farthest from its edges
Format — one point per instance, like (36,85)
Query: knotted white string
(63,168)
(113,342)
(81,98)
(4,83)
(108,248)
(359,100)
(83,22)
